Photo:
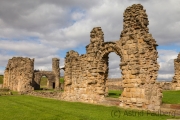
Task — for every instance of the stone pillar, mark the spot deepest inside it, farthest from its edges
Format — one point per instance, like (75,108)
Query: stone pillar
(56,71)
(139,61)
(176,78)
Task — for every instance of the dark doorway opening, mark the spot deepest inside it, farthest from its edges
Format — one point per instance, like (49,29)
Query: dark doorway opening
(53,85)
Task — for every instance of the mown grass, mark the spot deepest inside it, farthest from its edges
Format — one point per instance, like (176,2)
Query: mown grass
(61,80)
(171,97)
(114,93)
(34,108)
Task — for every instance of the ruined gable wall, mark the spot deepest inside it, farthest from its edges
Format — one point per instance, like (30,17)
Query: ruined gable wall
(18,74)
(56,71)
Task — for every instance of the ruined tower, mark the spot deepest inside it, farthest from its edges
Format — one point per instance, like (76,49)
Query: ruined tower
(176,78)
(56,71)
(139,61)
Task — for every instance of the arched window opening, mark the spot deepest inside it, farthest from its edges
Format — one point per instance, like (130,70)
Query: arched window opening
(44,82)
(114,81)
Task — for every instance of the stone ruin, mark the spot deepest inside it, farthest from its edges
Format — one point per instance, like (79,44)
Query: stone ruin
(53,76)
(176,78)
(20,75)
(139,61)
(86,75)
(114,84)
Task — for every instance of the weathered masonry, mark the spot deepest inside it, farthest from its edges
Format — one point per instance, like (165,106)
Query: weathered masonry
(176,78)
(86,75)
(20,75)
(53,76)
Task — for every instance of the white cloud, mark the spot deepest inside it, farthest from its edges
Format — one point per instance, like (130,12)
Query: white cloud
(114,68)
(166,62)
(77,15)
(61,25)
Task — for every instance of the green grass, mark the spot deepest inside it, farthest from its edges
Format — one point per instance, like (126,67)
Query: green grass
(43,82)
(114,93)
(61,80)
(1,79)
(172,97)
(23,107)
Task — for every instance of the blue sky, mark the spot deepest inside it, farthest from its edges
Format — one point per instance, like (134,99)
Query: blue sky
(44,29)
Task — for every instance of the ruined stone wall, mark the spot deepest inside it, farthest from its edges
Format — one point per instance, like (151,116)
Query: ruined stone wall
(86,75)
(114,84)
(56,71)
(52,76)
(165,85)
(139,62)
(18,74)
(176,78)
(37,79)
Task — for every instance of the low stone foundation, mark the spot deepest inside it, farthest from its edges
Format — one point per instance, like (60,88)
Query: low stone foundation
(46,94)
(114,84)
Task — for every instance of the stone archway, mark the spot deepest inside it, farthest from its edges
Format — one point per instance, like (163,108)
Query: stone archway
(106,49)
(44,82)
(50,82)
(85,75)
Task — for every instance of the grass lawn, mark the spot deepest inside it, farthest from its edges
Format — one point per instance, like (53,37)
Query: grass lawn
(172,97)
(114,93)
(35,108)
(61,80)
